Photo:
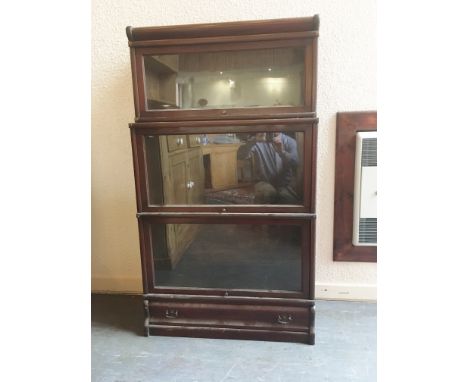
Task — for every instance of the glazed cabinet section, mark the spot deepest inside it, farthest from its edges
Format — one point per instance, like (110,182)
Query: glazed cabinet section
(226,255)
(214,73)
(233,278)
(266,167)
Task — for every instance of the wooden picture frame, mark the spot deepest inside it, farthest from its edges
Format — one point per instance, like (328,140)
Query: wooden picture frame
(347,125)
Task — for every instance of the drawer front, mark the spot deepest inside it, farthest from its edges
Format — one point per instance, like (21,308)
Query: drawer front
(264,317)
(195,140)
(176,142)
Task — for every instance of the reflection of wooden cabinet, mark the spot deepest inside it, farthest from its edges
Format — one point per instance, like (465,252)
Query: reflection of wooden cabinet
(182,171)
(222,164)
(176,142)
(183,175)
(161,88)
(194,140)
(173,240)
(196,174)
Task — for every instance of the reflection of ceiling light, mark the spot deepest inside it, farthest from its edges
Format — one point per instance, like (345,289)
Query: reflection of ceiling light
(269,69)
(221,73)
(231,83)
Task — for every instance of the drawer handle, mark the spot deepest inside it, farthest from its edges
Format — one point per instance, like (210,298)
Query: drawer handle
(172,313)
(180,141)
(190,184)
(284,319)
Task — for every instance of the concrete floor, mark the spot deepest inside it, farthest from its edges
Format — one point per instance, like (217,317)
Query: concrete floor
(345,349)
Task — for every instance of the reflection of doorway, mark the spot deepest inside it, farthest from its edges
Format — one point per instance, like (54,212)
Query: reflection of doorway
(220,165)
(237,193)
(207,166)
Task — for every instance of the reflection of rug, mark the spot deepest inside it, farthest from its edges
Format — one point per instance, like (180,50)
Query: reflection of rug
(244,195)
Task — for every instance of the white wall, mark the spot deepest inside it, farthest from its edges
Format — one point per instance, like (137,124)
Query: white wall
(346,82)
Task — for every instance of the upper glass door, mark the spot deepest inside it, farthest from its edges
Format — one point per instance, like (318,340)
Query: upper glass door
(236,79)
(221,80)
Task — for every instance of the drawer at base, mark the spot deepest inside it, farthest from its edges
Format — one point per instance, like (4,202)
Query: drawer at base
(289,318)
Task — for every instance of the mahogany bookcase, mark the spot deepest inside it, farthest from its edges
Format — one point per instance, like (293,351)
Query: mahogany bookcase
(227,240)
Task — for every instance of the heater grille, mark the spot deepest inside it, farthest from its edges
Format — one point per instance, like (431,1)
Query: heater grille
(368,230)
(369,152)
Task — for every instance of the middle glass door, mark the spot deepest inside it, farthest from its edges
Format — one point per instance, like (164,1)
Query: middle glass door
(262,167)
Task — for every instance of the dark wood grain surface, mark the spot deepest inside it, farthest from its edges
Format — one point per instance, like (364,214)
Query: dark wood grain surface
(347,125)
(236,28)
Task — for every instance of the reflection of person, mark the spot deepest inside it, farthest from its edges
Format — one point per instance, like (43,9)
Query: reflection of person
(275,158)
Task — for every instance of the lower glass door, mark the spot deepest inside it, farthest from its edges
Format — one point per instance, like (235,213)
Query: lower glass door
(228,256)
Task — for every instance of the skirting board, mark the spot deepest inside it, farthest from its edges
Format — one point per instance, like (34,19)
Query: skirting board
(323,291)
(353,292)
(132,285)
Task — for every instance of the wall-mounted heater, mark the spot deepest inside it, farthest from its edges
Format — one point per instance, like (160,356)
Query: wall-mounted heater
(365,190)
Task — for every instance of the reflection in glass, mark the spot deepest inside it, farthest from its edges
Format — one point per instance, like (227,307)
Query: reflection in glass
(227,256)
(241,168)
(275,160)
(251,78)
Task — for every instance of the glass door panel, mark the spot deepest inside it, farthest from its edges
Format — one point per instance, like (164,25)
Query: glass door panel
(227,256)
(228,79)
(261,168)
